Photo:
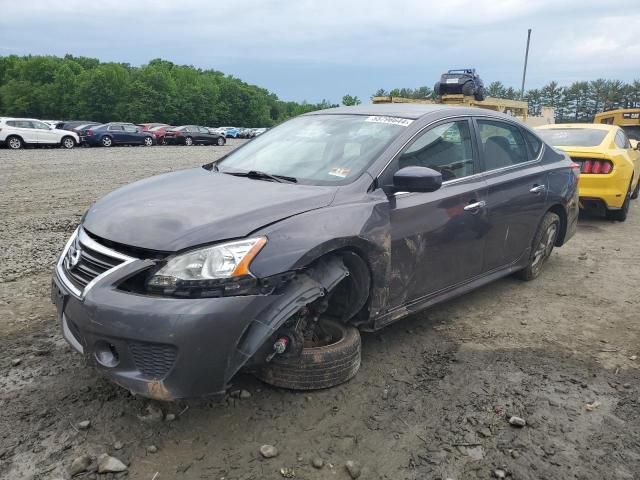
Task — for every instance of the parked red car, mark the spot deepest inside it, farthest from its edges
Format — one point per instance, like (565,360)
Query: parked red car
(159,133)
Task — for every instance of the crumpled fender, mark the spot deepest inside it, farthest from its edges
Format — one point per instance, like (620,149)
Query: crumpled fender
(303,289)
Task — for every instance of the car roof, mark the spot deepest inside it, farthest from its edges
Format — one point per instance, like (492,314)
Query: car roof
(411,111)
(592,126)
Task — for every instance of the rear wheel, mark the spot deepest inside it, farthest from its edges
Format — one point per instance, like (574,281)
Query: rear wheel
(220,141)
(620,215)
(468,89)
(480,94)
(15,143)
(331,360)
(188,141)
(543,243)
(106,141)
(68,142)
(148,141)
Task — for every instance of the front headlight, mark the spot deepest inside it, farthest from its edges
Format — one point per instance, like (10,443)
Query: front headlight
(207,267)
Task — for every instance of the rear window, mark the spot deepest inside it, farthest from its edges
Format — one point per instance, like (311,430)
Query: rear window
(573,137)
(534,143)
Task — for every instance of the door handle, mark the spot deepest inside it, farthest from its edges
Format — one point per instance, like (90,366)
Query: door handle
(538,189)
(475,207)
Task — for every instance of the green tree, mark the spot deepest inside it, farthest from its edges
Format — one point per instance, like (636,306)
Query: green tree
(348,100)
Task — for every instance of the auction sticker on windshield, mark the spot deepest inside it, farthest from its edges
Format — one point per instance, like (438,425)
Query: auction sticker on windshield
(341,172)
(403,122)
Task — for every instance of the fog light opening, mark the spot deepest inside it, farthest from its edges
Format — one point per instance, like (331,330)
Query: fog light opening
(106,354)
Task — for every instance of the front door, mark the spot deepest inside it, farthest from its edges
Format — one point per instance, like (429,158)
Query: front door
(44,133)
(517,192)
(437,238)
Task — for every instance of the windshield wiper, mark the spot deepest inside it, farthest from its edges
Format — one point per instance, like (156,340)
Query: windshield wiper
(257,174)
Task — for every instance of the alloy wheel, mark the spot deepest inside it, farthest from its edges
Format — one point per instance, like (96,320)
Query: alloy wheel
(68,142)
(147,141)
(544,248)
(15,143)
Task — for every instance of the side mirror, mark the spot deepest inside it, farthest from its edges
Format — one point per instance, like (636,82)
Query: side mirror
(417,179)
(634,144)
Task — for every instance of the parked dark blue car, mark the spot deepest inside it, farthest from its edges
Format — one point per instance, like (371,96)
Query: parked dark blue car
(110,134)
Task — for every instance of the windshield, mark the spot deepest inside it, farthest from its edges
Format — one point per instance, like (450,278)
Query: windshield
(632,131)
(318,149)
(573,137)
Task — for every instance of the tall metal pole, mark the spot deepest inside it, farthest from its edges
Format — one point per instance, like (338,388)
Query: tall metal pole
(526,58)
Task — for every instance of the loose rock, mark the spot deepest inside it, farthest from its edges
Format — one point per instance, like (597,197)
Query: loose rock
(484,432)
(15,362)
(517,421)
(317,462)
(84,425)
(108,464)
(244,394)
(499,473)
(170,417)
(118,445)
(79,465)
(152,449)
(268,451)
(353,468)
(287,472)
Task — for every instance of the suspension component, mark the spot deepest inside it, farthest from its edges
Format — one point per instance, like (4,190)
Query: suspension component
(279,347)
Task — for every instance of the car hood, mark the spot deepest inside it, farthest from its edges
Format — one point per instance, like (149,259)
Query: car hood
(184,209)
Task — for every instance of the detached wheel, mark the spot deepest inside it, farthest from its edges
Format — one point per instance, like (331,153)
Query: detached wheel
(543,243)
(188,141)
(106,141)
(15,143)
(220,141)
(68,142)
(148,141)
(326,365)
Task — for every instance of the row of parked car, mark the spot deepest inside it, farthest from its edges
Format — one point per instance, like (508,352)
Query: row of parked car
(16,133)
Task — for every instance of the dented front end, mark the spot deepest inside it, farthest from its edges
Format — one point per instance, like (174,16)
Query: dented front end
(172,348)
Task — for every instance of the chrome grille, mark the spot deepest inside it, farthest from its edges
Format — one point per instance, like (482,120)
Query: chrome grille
(84,260)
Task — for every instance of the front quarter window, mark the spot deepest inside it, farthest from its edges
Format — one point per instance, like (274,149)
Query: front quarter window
(319,149)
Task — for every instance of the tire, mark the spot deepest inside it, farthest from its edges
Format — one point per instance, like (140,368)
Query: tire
(621,214)
(543,242)
(188,141)
(436,89)
(14,142)
(68,142)
(148,141)
(636,191)
(106,141)
(480,94)
(317,367)
(468,89)
(220,141)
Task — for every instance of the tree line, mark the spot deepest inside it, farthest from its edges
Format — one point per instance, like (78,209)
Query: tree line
(578,102)
(49,87)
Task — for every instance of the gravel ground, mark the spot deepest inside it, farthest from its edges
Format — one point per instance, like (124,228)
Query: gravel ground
(432,399)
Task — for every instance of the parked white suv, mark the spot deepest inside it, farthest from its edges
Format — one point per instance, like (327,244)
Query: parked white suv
(18,132)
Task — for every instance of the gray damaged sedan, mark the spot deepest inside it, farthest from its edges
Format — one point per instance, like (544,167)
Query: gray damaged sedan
(275,257)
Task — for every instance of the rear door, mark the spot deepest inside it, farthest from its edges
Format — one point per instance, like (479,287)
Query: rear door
(117,134)
(205,136)
(132,134)
(517,188)
(437,238)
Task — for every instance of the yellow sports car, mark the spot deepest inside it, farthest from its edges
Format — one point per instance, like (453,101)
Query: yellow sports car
(609,164)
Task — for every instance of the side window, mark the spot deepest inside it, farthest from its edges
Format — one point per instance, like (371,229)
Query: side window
(39,125)
(130,129)
(115,128)
(12,123)
(621,140)
(445,148)
(503,144)
(203,130)
(23,124)
(534,143)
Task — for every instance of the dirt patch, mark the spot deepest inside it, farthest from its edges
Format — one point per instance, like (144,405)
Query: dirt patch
(432,399)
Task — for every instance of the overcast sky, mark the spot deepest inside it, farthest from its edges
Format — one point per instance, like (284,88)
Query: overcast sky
(303,49)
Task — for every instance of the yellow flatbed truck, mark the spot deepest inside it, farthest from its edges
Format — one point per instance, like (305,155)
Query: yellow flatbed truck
(516,108)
